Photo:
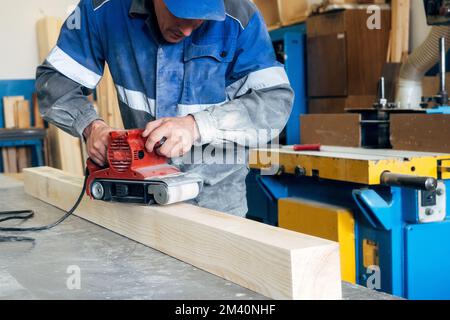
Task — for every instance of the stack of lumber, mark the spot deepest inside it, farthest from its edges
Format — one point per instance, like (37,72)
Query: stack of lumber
(399,39)
(275,262)
(17,115)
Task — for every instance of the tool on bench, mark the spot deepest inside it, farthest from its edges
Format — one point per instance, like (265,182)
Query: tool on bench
(132,175)
(306,147)
(136,175)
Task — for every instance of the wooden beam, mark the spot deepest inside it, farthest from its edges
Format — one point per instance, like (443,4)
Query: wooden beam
(9,110)
(23,158)
(12,159)
(399,41)
(277,263)
(5,159)
(38,121)
(108,105)
(22,114)
(47,32)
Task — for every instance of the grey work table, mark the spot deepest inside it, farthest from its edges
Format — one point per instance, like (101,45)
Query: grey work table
(111,266)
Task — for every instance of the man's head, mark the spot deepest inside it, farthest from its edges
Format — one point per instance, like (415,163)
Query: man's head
(177,19)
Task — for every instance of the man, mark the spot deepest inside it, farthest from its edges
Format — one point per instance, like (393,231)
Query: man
(196,72)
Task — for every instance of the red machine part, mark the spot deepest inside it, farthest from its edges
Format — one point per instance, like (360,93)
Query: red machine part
(129,160)
(307,147)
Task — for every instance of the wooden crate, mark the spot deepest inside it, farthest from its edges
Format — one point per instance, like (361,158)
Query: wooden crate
(345,60)
(278,13)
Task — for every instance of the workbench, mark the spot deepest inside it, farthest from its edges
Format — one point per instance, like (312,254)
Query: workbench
(112,266)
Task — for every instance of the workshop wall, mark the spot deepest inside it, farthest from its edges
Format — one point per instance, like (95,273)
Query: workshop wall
(19,54)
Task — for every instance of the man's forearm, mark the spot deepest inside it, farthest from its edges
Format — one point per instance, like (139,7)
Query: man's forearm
(63,102)
(241,119)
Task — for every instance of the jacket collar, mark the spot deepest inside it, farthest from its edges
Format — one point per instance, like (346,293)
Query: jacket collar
(145,8)
(140,7)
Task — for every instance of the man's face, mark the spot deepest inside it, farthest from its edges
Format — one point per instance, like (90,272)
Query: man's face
(172,28)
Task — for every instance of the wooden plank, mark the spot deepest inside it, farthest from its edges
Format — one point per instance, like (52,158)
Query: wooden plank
(421,132)
(23,158)
(399,42)
(5,160)
(277,263)
(9,111)
(331,129)
(38,121)
(48,32)
(107,103)
(12,160)
(65,151)
(22,114)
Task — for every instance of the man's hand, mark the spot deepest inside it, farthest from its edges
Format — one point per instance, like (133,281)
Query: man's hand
(97,138)
(180,134)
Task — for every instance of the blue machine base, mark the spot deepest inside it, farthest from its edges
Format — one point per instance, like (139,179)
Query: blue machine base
(414,258)
(439,110)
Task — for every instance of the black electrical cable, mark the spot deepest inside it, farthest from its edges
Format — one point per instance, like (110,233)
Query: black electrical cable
(14,217)
(31,214)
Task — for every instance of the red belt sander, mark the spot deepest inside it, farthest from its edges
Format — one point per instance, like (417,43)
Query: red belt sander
(135,175)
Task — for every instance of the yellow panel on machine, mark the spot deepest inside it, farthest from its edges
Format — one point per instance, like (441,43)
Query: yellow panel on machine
(356,165)
(445,169)
(324,221)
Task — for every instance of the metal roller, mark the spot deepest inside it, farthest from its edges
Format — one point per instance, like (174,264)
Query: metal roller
(165,195)
(408,181)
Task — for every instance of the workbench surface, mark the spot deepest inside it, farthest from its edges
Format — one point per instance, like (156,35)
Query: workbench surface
(111,266)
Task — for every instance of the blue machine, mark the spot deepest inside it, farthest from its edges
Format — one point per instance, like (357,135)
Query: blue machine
(34,141)
(439,110)
(402,231)
(405,232)
(291,45)
(415,254)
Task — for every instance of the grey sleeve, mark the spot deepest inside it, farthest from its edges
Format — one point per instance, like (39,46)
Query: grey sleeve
(63,102)
(251,119)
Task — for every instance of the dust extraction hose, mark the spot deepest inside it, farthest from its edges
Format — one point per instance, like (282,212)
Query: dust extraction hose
(409,87)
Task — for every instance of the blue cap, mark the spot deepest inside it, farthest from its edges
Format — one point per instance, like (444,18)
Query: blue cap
(197,9)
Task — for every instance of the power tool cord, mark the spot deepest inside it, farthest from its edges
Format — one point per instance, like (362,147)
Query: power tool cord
(16,215)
